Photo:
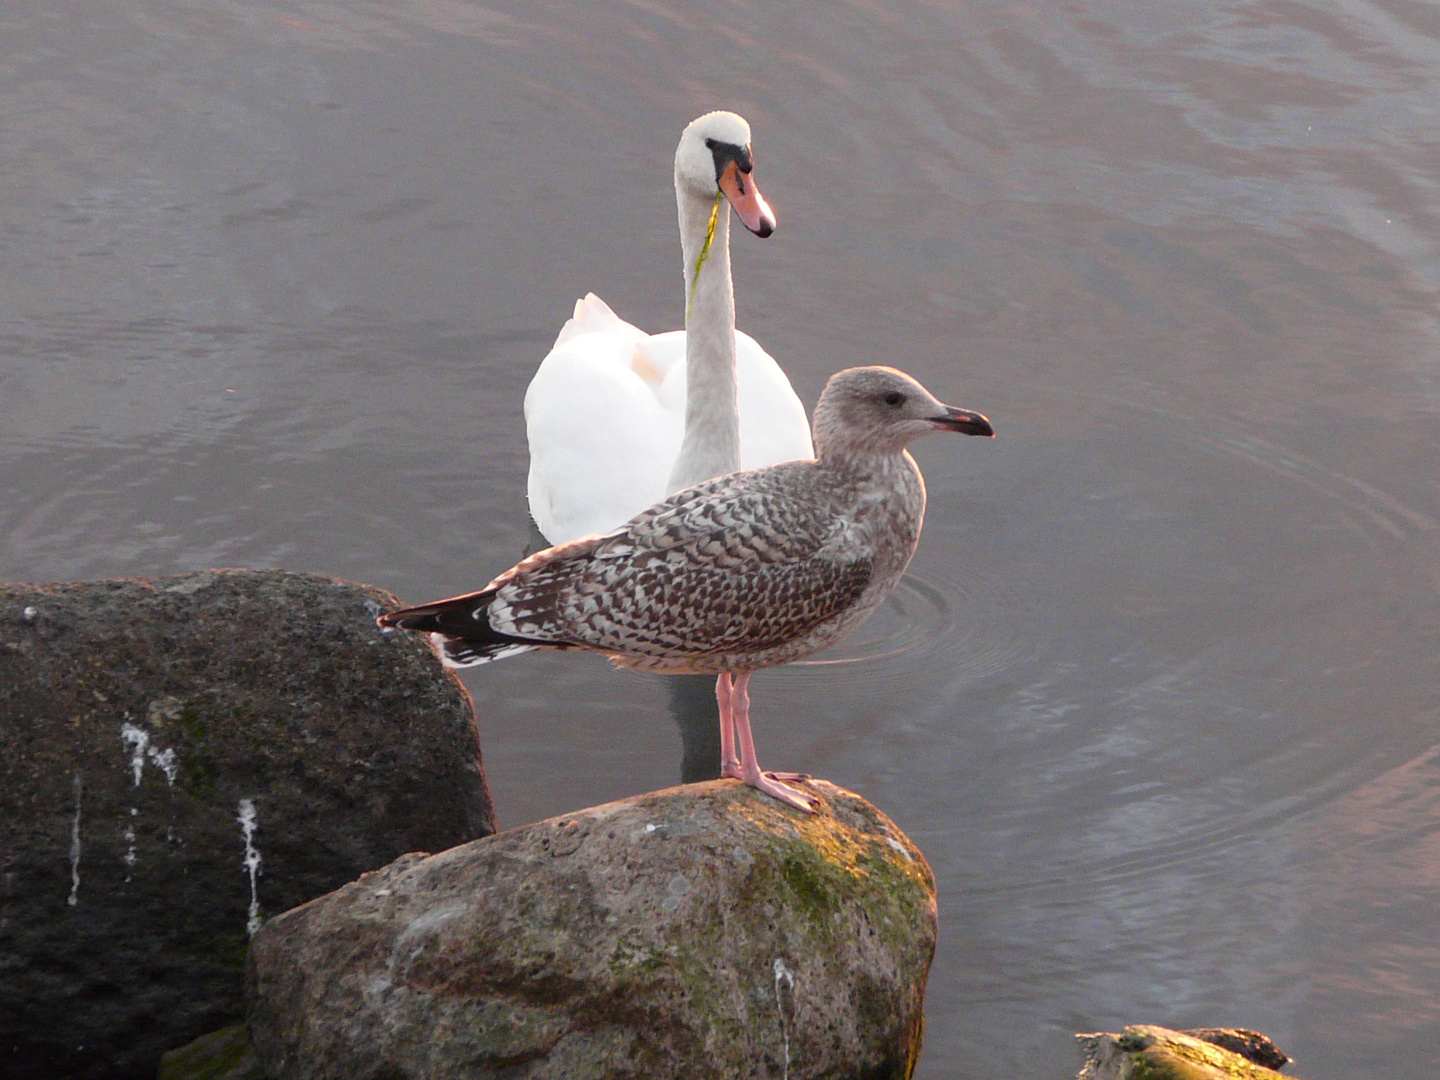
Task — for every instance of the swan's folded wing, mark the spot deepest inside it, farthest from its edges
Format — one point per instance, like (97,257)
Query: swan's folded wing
(773,424)
(600,444)
(738,564)
(594,316)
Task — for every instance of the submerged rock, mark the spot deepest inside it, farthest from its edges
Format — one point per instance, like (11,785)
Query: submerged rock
(1146,1052)
(183,757)
(705,930)
(221,1055)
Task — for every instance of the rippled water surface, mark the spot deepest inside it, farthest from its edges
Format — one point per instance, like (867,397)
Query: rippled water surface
(1159,697)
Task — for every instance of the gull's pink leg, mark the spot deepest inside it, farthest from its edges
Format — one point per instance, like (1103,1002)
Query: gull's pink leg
(749,766)
(729,763)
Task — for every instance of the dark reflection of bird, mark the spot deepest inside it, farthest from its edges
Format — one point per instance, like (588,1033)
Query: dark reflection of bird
(693,708)
(742,572)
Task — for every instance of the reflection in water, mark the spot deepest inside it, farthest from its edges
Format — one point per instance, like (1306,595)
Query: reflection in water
(696,714)
(924,627)
(1157,695)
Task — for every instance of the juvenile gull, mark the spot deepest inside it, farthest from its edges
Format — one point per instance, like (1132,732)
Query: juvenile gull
(745,571)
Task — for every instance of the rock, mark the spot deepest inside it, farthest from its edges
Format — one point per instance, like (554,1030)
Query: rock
(1251,1045)
(1145,1052)
(221,1055)
(164,739)
(705,930)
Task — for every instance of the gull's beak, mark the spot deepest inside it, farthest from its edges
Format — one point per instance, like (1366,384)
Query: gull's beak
(745,197)
(964,421)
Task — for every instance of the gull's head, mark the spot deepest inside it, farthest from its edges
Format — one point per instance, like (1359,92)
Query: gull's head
(879,410)
(714,156)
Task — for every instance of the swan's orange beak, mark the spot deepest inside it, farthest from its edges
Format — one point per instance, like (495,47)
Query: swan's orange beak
(745,197)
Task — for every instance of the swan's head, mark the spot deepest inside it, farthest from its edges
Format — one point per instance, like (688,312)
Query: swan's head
(714,155)
(879,410)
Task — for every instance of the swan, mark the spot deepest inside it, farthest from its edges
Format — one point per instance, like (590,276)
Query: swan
(614,419)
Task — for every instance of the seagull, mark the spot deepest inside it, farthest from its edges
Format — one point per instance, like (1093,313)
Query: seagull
(745,571)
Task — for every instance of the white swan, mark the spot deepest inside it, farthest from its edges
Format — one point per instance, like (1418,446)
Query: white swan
(615,421)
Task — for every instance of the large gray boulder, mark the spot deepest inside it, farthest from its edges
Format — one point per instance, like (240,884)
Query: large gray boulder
(705,930)
(184,757)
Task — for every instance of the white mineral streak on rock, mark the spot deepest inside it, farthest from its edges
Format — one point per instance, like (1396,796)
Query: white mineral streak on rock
(784,976)
(75,842)
(137,739)
(165,759)
(412,940)
(251,862)
(900,848)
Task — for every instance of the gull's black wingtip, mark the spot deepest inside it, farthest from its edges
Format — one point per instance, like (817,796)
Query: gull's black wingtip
(460,629)
(416,618)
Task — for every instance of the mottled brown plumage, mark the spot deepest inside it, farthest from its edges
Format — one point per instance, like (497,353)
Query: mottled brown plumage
(742,572)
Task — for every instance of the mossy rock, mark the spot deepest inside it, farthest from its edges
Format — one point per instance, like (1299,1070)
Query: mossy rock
(705,930)
(1146,1052)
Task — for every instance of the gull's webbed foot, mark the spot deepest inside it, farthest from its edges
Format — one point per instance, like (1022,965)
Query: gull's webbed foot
(787,795)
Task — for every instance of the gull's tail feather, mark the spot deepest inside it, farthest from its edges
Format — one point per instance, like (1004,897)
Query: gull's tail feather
(460,630)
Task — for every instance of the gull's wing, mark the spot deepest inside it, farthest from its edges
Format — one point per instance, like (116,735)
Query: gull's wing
(737,564)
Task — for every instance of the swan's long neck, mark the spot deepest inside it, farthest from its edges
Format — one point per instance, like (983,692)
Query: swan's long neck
(711,446)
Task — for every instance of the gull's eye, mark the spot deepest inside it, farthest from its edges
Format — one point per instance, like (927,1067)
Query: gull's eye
(894,398)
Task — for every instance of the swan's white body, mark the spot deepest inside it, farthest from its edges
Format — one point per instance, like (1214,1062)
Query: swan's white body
(615,420)
(605,416)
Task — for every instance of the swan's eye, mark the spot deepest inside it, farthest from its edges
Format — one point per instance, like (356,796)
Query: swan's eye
(724,153)
(894,398)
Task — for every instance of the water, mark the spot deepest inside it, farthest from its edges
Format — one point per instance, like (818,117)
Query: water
(1158,700)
